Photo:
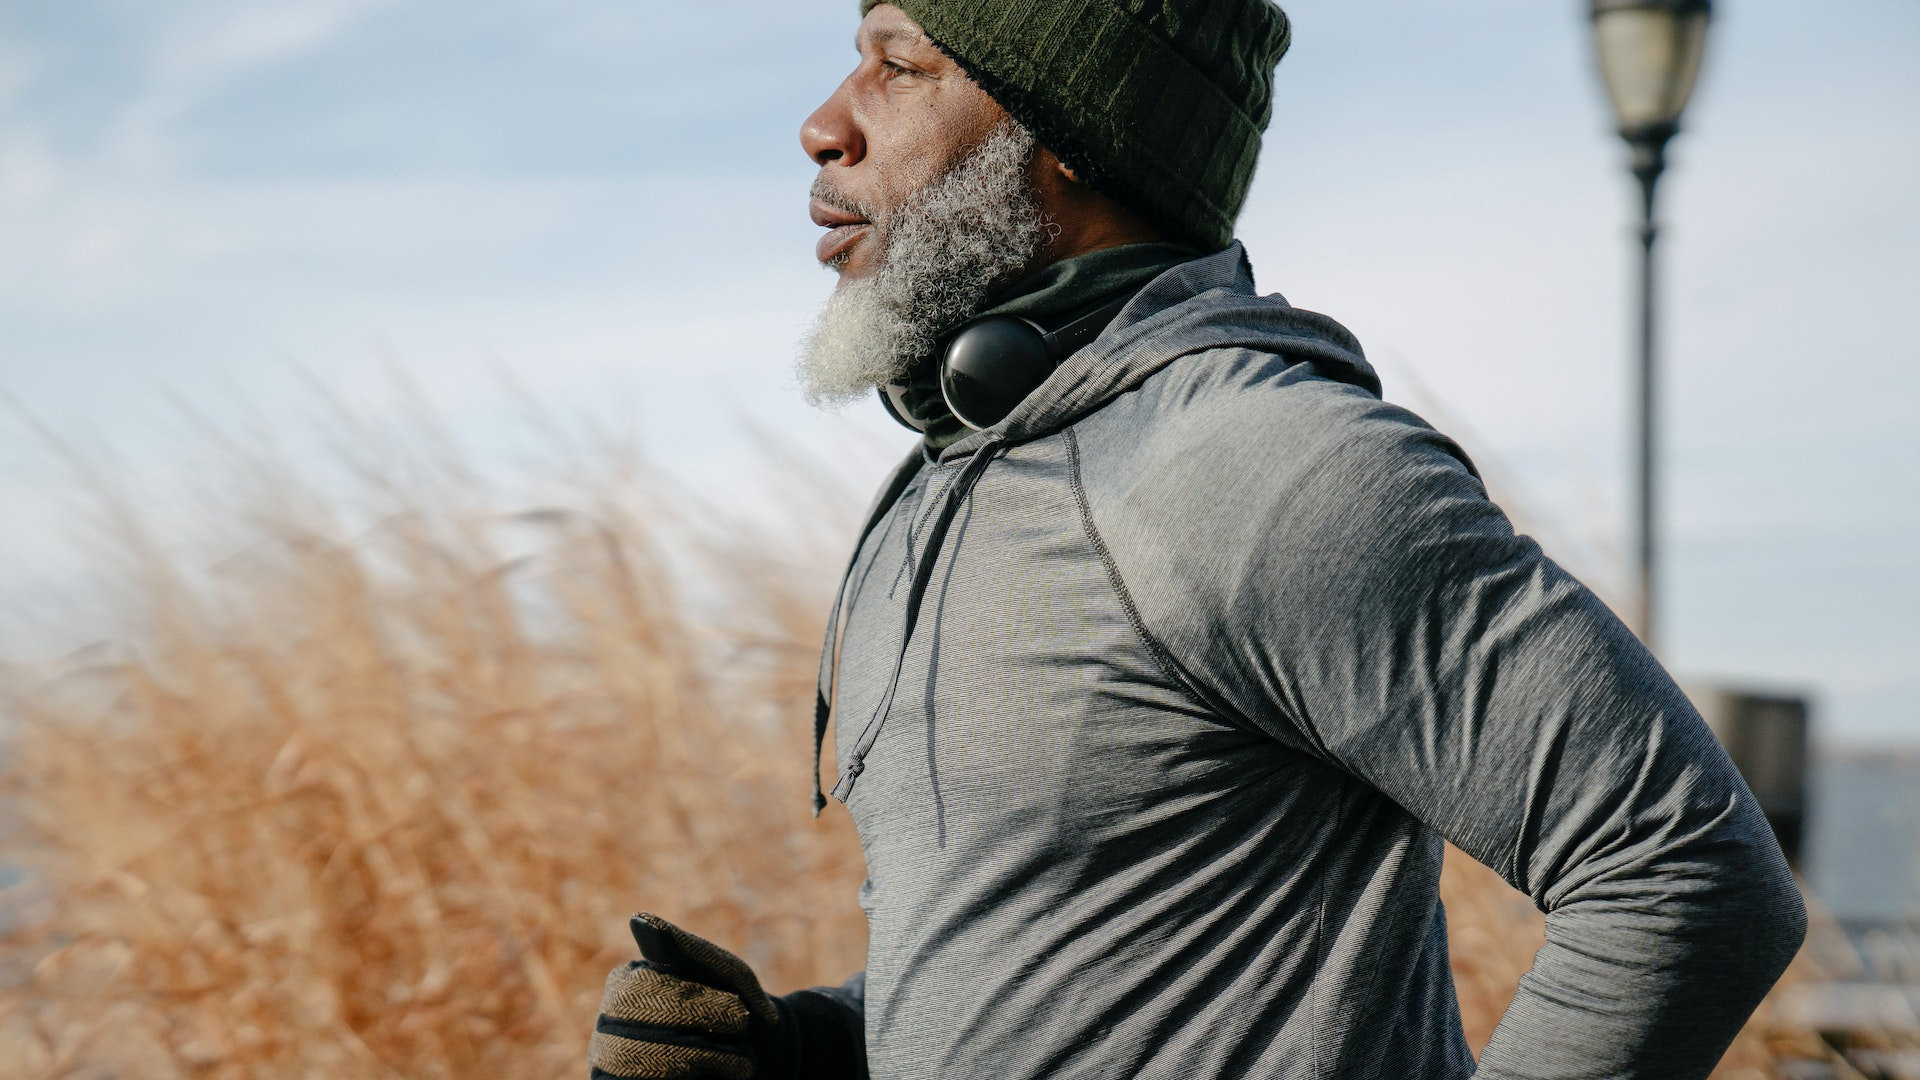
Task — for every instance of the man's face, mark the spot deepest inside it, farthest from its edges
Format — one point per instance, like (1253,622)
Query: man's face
(897,124)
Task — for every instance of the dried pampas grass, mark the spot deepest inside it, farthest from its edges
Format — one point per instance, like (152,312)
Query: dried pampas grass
(372,793)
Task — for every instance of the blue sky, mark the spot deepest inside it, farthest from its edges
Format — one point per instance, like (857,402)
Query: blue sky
(217,202)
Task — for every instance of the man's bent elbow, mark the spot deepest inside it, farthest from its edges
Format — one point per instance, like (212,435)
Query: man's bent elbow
(1779,920)
(1749,925)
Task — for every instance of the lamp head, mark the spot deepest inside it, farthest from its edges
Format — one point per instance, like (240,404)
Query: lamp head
(1650,53)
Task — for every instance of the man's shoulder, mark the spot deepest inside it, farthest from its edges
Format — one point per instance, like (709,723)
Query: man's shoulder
(1236,416)
(1239,478)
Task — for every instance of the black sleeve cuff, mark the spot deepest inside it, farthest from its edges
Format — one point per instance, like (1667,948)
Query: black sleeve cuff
(831,1037)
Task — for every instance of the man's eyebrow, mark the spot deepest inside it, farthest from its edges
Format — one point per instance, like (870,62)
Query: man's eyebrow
(892,35)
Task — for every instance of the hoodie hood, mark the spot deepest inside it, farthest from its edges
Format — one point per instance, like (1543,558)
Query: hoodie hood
(1207,303)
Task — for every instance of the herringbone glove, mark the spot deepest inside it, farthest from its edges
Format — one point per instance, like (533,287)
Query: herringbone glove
(690,1010)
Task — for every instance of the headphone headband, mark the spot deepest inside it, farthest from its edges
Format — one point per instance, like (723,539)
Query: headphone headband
(989,365)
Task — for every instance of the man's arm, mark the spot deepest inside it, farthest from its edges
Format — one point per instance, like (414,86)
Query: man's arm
(1346,584)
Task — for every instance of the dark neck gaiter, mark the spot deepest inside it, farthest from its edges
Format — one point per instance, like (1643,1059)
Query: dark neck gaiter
(1059,288)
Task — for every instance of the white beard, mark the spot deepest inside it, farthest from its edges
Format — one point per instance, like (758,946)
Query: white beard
(947,247)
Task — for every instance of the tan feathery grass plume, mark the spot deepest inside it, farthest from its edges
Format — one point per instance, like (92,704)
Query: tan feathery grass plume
(375,800)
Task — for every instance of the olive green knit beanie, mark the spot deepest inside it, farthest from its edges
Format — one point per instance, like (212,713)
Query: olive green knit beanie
(1159,104)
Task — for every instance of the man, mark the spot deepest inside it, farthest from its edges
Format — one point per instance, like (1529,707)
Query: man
(1158,693)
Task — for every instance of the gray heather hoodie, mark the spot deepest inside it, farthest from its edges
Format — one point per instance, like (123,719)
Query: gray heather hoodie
(1156,700)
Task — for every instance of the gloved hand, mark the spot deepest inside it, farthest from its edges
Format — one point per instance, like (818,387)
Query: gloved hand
(690,1010)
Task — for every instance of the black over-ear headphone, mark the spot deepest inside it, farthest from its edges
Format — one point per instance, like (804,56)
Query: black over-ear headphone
(990,365)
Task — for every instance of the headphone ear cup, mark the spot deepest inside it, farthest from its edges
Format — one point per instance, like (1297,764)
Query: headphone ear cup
(991,366)
(893,397)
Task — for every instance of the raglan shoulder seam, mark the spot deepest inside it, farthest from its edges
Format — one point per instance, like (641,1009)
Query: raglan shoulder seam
(1162,656)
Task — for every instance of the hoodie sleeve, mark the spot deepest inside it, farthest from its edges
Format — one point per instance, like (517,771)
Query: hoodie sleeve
(1329,569)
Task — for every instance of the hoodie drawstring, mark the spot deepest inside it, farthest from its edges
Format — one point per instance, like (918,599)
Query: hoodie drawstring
(823,690)
(950,500)
(829,670)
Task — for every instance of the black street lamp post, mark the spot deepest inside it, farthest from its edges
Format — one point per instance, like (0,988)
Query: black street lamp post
(1650,54)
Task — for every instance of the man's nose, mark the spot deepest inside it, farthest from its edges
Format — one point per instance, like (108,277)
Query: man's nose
(830,135)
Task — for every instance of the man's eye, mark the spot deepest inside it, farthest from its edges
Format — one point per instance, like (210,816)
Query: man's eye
(894,70)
